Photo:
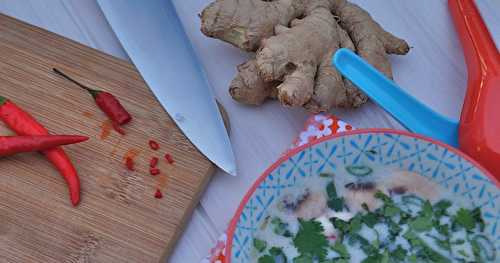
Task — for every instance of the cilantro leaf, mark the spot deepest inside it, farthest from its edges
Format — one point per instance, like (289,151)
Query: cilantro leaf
(331,190)
(463,253)
(310,239)
(443,230)
(465,219)
(442,243)
(341,249)
(385,198)
(391,210)
(334,201)
(370,219)
(259,245)
(427,208)
(340,225)
(276,252)
(385,257)
(413,200)
(399,254)
(266,259)
(355,224)
(376,258)
(394,229)
(476,214)
(421,223)
(365,245)
(303,259)
(424,252)
(441,207)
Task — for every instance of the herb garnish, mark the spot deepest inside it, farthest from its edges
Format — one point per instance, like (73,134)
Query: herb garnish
(310,241)
(430,230)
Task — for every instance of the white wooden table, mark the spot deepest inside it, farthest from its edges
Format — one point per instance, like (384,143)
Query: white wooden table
(433,71)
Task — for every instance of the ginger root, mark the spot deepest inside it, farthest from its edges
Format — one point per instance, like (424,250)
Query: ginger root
(294,41)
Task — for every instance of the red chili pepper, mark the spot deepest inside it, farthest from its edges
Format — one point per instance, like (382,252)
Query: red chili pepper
(24,124)
(169,158)
(153,162)
(117,128)
(154,171)
(18,144)
(158,194)
(108,103)
(154,145)
(129,163)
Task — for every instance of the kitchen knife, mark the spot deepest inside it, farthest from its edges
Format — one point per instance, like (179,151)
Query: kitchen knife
(153,37)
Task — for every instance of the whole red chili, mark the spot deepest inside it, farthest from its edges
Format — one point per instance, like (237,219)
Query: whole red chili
(153,162)
(24,124)
(158,194)
(117,128)
(154,171)
(169,158)
(18,144)
(154,145)
(129,163)
(108,103)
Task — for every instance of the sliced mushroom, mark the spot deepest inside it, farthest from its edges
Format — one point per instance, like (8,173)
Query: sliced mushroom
(291,201)
(408,182)
(356,198)
(359,193)
(313,206)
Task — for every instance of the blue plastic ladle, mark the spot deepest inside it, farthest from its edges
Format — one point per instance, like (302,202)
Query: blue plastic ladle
(411,113)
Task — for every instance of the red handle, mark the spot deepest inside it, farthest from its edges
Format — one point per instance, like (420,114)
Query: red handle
(479,131)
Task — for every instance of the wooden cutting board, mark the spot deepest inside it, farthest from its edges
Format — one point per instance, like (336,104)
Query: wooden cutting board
(118,219)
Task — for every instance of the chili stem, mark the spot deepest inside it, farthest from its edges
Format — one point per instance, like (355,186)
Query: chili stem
(3,100)
(92,91)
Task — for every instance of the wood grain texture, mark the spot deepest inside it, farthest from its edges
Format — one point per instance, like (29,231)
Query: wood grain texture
(118,219)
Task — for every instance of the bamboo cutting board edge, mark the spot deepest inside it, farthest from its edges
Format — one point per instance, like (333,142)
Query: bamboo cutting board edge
(16,40)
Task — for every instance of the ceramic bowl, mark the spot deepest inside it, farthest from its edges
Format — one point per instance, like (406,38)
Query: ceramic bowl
(438,162)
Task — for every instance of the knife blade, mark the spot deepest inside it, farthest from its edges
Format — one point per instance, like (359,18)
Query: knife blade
(489,10)
(153,37)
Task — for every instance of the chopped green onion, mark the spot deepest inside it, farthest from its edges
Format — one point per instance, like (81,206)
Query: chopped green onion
(359,170)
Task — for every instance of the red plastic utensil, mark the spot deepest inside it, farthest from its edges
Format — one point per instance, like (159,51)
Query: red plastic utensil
(479,129)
